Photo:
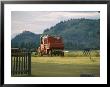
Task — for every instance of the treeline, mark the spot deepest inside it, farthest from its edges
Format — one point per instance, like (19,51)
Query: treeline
(26,40)
(77,34)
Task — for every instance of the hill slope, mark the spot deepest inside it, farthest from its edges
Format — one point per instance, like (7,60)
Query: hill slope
(78,33)
(26,39)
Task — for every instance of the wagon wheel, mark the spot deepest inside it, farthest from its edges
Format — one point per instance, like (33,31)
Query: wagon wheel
(62,53)
(40,54)
(50,52)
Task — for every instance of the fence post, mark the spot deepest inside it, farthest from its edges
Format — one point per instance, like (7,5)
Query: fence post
(29,63)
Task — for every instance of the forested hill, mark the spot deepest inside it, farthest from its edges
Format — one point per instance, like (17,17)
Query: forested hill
(78,33)
(26,39)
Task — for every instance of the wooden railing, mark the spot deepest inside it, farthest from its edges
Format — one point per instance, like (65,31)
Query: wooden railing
(20,63)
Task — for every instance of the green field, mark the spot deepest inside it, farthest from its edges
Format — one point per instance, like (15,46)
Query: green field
(65,66)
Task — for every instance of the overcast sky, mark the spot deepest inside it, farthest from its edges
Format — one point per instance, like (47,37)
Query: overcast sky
(37,22)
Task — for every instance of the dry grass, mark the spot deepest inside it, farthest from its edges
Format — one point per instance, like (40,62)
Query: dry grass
(64,66)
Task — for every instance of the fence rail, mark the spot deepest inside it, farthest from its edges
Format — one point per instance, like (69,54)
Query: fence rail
(20,63)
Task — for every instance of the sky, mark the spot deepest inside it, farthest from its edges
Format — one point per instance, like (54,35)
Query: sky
(38,21)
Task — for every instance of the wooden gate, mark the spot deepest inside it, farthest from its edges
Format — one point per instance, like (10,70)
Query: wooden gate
(20,62)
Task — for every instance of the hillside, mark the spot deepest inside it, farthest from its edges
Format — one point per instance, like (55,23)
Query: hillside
(26,39)
(78,33)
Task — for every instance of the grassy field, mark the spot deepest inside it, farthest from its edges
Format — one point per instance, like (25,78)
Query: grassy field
(65,66)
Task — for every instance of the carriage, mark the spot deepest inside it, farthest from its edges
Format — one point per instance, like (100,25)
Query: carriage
(51,45)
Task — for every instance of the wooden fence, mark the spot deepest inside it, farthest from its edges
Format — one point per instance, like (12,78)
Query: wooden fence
(20,63)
